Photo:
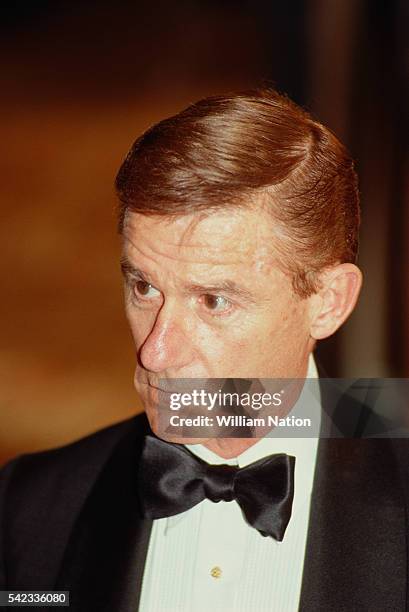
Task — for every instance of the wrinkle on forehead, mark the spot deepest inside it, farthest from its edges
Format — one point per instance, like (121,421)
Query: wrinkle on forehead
(227,237)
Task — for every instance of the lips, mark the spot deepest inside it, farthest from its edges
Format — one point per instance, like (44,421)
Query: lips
(159,389)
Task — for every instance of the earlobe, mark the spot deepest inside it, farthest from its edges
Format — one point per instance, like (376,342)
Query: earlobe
(334,302)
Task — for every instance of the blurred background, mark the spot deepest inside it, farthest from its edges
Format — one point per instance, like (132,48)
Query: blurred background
(79,82)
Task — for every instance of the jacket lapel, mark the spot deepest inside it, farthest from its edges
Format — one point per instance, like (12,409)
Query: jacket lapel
(356,551)
(105,557)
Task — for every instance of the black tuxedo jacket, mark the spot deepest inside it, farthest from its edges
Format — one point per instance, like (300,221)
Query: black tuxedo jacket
(70,519)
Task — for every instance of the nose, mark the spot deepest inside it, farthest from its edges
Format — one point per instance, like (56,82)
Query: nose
(167,347)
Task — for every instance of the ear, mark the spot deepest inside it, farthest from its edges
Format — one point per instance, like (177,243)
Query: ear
(334,302)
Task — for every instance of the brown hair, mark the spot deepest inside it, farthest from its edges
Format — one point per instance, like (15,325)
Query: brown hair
(248,147)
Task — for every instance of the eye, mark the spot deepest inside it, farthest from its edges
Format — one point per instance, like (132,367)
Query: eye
(145,290)
(216,303)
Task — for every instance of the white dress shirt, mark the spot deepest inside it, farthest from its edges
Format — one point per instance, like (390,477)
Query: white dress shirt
(210,559)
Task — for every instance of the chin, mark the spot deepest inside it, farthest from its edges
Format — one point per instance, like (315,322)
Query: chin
(177,439)
(167,434)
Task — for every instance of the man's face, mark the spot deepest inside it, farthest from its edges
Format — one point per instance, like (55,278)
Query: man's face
(205,299)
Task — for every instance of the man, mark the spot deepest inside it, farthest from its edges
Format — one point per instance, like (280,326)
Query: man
(239,219)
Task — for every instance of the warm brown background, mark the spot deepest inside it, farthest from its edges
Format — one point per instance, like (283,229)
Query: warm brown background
(79,83)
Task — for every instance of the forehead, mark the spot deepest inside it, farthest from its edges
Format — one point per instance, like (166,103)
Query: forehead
(227,237)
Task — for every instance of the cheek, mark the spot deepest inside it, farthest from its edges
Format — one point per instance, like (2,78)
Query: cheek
(280,324)
(290,324)
(217,348)
(225,350)
(288,339)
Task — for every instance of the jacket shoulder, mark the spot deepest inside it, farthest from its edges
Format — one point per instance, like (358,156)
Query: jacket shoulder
(42,493)
(76,462)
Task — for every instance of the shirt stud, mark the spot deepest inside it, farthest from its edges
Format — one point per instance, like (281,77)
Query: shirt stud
(216,572)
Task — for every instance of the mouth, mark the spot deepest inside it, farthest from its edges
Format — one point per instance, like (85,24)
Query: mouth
(159,389)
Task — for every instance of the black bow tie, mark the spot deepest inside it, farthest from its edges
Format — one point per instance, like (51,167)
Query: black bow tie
(173,480)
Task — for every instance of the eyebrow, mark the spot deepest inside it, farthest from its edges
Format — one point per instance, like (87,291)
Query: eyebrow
(129,269)
(228,287)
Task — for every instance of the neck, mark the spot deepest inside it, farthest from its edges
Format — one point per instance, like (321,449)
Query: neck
(227,448)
